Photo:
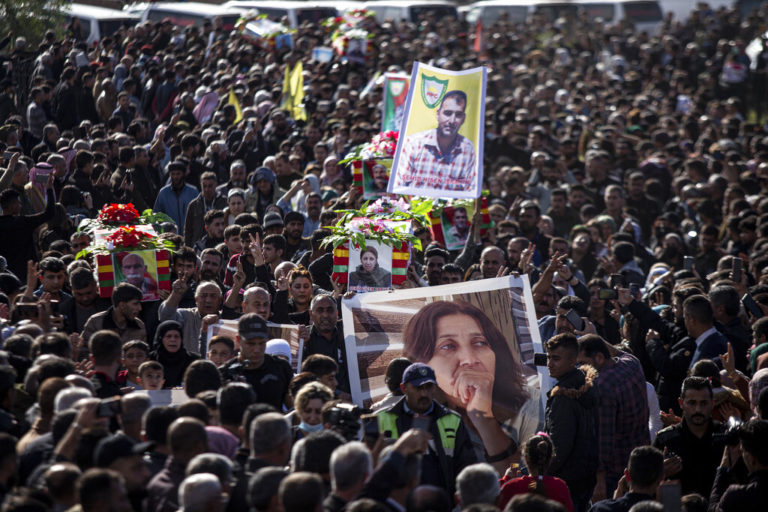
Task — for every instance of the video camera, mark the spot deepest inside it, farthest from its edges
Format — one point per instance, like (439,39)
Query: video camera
(345,419)
(731,435)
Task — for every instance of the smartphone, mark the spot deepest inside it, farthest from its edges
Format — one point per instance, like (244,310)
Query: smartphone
(736,269)
(540,359)
(42,178)
(55,309)
(109,407)
(129,177)
(421,422)
(617,280)
(670,496)
(634,289)
(575,320)
(27,310)
(605,294)
(688,263)
(751,306)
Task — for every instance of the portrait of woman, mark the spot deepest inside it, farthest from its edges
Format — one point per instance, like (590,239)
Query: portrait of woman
(369,275)
(475,369)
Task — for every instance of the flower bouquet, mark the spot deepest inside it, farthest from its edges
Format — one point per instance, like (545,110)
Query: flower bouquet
(114,214)
(376,240)
(371,164)
(349,37)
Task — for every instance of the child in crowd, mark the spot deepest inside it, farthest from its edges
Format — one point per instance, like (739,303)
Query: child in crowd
(135,353)
(220,350)
(151,375)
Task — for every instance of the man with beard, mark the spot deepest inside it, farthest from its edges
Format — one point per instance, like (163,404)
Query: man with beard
(491,260)
(215,222)
(380,179)
(236,179)
(211,266)
(563,216)
(326,336)
(191,148)
(135,272)
(434,259)
(515,248)
(292,231)
(124,455)
(206,201)
(314,204)
(644,208)
(692,447)
(86,299)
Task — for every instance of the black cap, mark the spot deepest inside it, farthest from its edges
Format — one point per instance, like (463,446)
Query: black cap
(272,219)
(252,326)
(114,447)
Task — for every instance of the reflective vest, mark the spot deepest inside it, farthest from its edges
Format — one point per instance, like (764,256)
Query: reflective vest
(447,425)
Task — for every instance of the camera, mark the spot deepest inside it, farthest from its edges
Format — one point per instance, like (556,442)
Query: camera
(345,419)
(731,435)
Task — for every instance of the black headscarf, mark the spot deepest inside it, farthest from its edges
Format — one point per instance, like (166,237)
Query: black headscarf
(174,363)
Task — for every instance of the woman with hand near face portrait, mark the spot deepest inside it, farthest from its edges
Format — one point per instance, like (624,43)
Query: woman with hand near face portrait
(470,355)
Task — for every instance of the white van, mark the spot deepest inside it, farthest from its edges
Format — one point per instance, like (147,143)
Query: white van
(97,23)
(646,15)
(296,12)
(184,14)
(411,10)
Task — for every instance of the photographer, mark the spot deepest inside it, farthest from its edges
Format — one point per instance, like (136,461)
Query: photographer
(729,495)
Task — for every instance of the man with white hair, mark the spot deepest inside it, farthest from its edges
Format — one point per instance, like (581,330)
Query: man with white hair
(201,493)
(477,484)
(351,465)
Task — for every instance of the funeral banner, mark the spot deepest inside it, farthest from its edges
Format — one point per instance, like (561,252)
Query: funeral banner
(478,336)
(440,148)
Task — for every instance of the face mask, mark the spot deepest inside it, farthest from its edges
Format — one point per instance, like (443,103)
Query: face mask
(310,428)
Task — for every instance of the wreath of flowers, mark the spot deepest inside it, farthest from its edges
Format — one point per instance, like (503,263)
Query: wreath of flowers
(384,221)
(381,146)
(129,237)
(115,214)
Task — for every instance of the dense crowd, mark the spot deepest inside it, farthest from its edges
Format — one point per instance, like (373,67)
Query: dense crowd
(626,175)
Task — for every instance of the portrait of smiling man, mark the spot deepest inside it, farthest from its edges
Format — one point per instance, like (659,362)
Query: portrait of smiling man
(440,158)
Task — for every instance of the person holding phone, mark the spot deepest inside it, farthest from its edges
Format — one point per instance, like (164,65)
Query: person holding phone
(451,449)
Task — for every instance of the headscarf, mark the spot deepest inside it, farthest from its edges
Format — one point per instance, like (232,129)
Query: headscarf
(207,106)
(279,347)
(163,329)
(41,168)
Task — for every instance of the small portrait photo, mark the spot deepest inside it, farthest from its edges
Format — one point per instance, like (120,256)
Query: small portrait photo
(375,178)
(356,50)
(456,226)
(139,269)
(370,269)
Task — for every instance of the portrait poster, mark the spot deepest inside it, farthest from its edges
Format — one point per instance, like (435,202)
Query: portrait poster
(491,322)
(372,176)
(451,229)
(394,98)
(370,269)
(138,268)
(440,148)
(287,332)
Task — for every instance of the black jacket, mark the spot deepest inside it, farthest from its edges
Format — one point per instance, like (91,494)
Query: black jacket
(571,420)
(671,363)
(739,498)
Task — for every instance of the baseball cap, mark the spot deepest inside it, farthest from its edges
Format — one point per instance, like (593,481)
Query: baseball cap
(272,219)
(419,374)
(252,326)
(293,217)
(114,447)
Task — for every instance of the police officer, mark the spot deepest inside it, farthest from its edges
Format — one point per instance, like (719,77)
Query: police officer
(450,449)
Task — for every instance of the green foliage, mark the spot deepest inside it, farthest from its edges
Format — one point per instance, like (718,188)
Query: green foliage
(31,19)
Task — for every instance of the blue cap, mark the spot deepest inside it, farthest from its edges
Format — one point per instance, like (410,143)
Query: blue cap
(419,374)
(263,173)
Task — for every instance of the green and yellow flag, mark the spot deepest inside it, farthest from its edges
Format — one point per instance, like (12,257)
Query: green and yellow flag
(232,100)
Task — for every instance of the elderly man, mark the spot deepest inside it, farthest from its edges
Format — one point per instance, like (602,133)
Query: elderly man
(135,273)
(194,321)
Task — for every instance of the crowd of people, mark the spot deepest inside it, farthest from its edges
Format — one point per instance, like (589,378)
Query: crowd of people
(626,175)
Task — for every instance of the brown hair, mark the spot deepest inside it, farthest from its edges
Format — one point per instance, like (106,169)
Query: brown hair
(420,334)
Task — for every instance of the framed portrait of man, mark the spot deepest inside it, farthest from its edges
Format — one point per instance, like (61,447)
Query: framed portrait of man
(456,226)
(138,268)
(440,148)
(375,178)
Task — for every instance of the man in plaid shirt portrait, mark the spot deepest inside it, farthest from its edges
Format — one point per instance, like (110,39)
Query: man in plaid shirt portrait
(441,157)
(623,409)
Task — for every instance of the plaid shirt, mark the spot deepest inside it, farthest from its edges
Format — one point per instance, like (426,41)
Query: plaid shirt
(623,423)
(424,166)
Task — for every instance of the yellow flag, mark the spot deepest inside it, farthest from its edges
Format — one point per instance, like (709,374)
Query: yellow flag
(233,101)
(293,92)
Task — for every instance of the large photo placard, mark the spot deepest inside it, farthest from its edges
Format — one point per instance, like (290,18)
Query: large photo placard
(478,336)
(440,148)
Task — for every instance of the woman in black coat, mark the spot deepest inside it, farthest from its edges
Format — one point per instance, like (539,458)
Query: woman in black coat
(170,352)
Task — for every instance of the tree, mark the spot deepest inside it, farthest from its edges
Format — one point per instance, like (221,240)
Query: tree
(31,18)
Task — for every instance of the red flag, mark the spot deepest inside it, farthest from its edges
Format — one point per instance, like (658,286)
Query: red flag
(479,37)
